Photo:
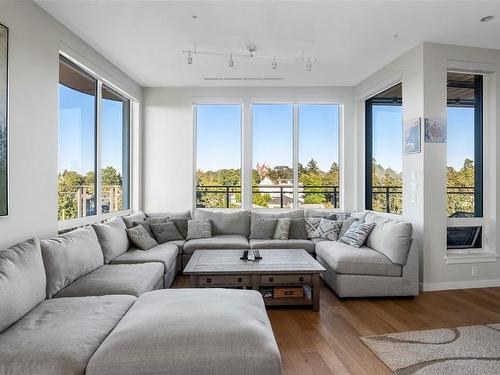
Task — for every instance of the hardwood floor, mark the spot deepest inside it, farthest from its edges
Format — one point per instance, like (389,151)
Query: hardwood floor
(328,342)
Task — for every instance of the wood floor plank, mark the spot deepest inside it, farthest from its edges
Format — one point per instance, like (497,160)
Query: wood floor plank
(328,342)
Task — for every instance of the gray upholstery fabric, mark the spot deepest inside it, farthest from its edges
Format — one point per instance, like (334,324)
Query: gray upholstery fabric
(216,242)
(307,245)
(22,281)
(360,215)
(282,228)
(261,214)
(318,213)
(182,226)
(298,229)
(171,215)
(345,259)
(199,229)
(165,253)
(150,221)
(226,222)
(357,234)
(70,256)
(140,237)
(112,237)
(389,237)
(59,336)
(191,331)
(179,244)
(130,279)
(263,228)
(166,232)
(134,218)
(375,286)
(329,229)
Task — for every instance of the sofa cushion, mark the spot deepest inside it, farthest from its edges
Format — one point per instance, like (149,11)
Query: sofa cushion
(166,232)
(181,225)
(112,237)
(22,281)
(70,256)
(298,229)
(191,331)
(229,241)
(263,228)
(140,237)
(179,244)
(360,215)
(134,218)
(199,229)
(307,245)
(165,253)
(130,279)
(260,214)
(59,336)
(390,237)
(345,259)
(329,229)
(171,215)
(226,222)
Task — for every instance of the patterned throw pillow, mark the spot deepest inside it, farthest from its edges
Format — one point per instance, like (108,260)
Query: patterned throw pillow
(312,225)
(346,224)
(329,229)
(199,229)
(166,232)
(262,228)
(282,228)
(356,235)
(141,238)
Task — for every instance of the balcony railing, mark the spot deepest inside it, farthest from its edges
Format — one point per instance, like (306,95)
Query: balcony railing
(388,198)
(80,202)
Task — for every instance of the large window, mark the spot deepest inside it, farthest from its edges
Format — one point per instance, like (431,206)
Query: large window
(218,155)
(465,145)
(273,175)
(85,186)
(384,139)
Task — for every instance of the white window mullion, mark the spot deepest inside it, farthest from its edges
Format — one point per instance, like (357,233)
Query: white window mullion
(247,156)
(296,156)
(98,175)
(195,156)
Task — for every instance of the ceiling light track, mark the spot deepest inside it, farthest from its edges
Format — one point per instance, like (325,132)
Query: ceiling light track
(251,54)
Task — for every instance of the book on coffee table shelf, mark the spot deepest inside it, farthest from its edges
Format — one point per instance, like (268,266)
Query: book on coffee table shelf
(296,292)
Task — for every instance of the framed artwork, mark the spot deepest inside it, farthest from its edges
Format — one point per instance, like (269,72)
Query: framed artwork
(435,131)
(4,185)
(411,136)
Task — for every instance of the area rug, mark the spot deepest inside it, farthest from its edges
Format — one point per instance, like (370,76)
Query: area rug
(456,351)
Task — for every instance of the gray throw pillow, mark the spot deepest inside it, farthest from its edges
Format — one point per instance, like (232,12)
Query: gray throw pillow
(356,235)
(312,225)
(112,238)
(346,224)
(182,226)
(262,229)
(166,232)
(141,238)
(329,229)
(130,220)
(282,228)
(148,222)
(199,229)
(298,229)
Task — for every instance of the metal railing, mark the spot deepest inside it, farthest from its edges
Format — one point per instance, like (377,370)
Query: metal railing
(387,192)
(81,201)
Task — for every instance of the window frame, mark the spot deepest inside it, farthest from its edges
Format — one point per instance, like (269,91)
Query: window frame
(64,225)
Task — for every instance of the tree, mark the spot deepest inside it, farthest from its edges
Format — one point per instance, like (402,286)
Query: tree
(281,172)
(312,166)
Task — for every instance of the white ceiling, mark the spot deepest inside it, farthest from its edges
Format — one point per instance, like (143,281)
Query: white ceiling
(350,39)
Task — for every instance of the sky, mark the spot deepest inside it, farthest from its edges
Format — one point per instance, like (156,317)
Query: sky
(77,133)
(219,135)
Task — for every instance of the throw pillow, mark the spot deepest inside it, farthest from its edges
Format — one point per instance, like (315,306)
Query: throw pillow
(312,225)
(141,238)
(356,235)
(199,229)
(331,217)
(346,224)
(298,229)
(282,228)
(165,232)
(262,229)
(182,226)
(148,222)
(329,229)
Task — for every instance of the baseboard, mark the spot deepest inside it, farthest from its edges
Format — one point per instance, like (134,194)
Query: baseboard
(469,284)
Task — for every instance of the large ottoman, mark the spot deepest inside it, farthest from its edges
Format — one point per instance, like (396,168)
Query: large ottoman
(191,331)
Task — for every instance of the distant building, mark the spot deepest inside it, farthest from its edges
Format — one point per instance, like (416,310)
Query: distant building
(263,170)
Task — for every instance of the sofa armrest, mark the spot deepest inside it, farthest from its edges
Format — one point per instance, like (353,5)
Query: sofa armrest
(410,270)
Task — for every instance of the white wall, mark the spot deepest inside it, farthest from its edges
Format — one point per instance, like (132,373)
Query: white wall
(35,41)
(423,74)
(168,137)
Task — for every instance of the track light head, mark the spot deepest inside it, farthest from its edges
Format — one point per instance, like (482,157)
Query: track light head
(189,58)
(274,64)
(231,61)
(309,65)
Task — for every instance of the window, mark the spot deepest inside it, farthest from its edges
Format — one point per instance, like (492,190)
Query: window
(384,139)
(218,155)
(77,149)
(465,145)
(318,167)
(273,175)
(81,178)
(115,155)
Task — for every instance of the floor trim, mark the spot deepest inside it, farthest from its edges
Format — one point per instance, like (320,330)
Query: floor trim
(469,284)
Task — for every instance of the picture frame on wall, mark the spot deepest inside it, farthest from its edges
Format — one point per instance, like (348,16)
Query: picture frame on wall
(4,170)
(435,131)
(411,136)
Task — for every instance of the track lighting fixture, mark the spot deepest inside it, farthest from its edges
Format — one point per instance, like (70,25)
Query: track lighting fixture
(251,53)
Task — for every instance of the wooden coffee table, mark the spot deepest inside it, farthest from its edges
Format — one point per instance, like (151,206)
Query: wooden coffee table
(282,268)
